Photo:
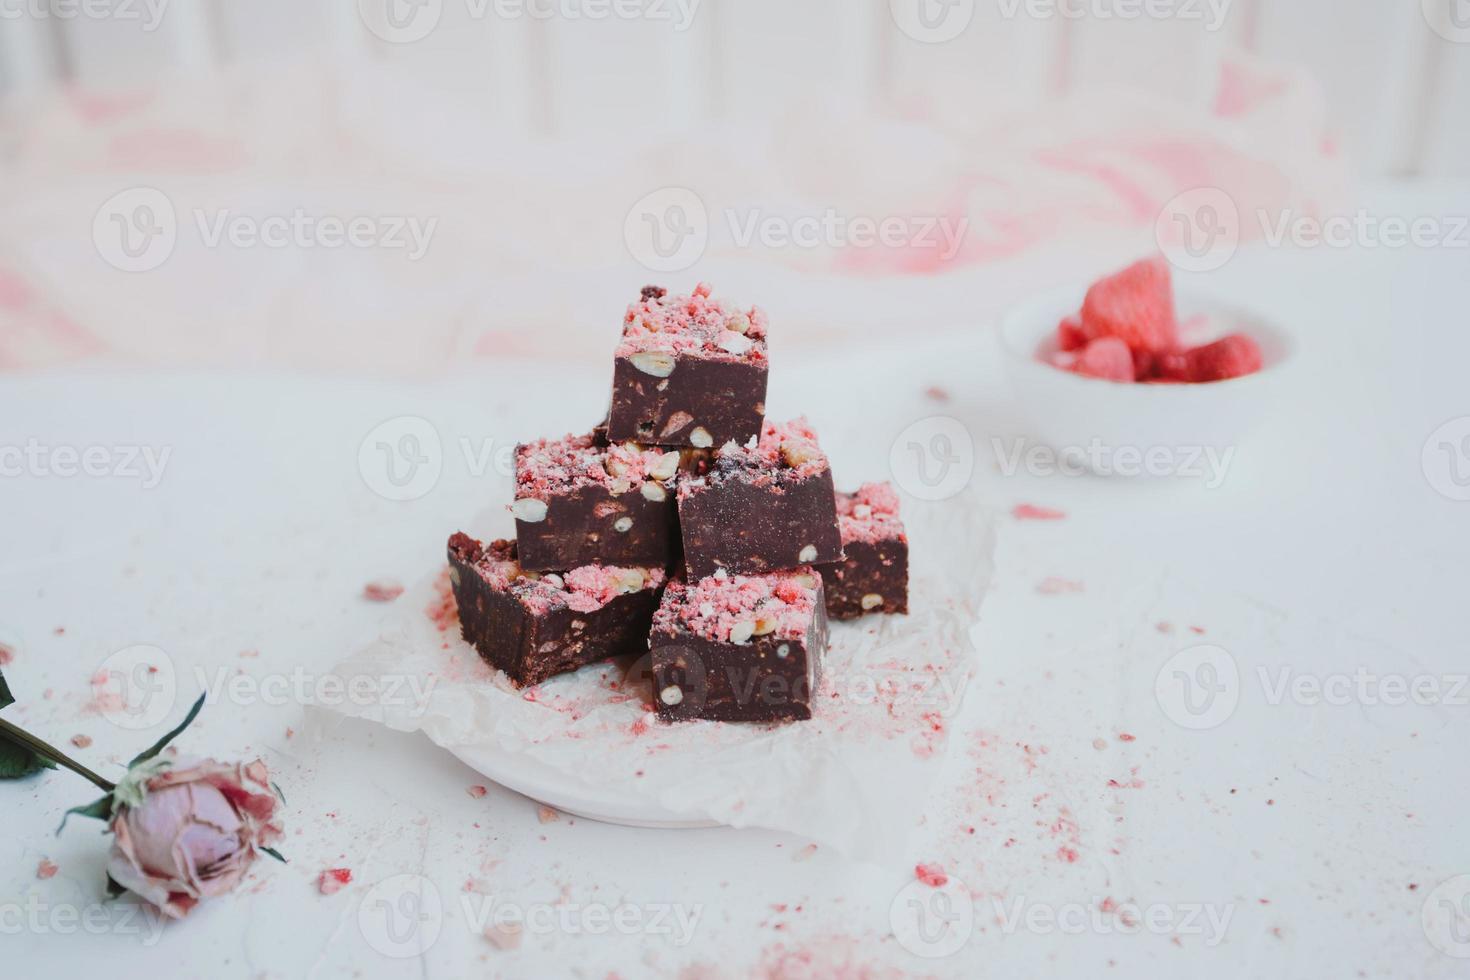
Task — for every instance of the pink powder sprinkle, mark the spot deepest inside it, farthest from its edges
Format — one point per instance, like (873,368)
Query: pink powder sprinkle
(546,814)
(805,854)
(477,792)
(585,589)
(1125,737)
(870,515)
(82,741)
(333,880)
(1031,512)
(931,874)
(786,449)
(548,467)
(694,324)
(7,655)
(382,590)
(46,869)
(1052,585)
(782,603)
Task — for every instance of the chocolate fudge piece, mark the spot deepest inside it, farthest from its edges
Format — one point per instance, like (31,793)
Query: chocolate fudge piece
(739,648)
(874,577)
(535,626)
(689,372)
(579,503)
(761,508)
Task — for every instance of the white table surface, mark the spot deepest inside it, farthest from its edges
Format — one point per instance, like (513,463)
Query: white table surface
(1318,829)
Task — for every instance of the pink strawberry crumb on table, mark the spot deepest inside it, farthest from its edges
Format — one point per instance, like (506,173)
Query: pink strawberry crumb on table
(931,874)
(477,792)
(333,880)
(382,590)
(1031,512)
(46,869)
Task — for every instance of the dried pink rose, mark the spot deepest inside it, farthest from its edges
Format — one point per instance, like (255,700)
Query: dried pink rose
(188,829)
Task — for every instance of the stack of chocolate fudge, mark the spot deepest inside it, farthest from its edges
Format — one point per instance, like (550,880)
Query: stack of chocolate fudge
(686,527)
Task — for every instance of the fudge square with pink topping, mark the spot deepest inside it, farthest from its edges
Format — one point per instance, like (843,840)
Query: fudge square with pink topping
(580,503)
(535,626)
(739,648)
(761,508)
(874,575)
(689,371)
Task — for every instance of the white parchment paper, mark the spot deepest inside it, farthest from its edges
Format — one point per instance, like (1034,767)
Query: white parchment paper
(854,778)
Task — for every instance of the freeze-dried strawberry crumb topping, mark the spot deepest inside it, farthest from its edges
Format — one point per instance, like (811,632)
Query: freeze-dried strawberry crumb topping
(548,467)
(585,589)
(697,324)
(738,608)
(785,452)
(870,515)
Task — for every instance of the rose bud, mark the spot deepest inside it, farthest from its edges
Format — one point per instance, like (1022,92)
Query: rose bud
(188,829)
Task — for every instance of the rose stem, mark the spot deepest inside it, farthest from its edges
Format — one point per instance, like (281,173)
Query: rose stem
(55,755)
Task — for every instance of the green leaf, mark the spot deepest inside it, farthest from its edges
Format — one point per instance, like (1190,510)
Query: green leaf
(114,889)
(6,698)
(162,743)
(18,761)
(273,853)
(278,792)
(98,810)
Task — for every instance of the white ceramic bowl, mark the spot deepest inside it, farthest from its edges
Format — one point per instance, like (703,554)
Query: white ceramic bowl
(1067,410)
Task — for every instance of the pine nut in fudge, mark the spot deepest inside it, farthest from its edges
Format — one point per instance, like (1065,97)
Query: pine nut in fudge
(690,371)
(580,503)
(753,509)
(874,577)
(534,626)
(739,648)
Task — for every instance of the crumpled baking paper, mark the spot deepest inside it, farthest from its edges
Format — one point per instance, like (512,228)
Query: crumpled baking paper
(854,778)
